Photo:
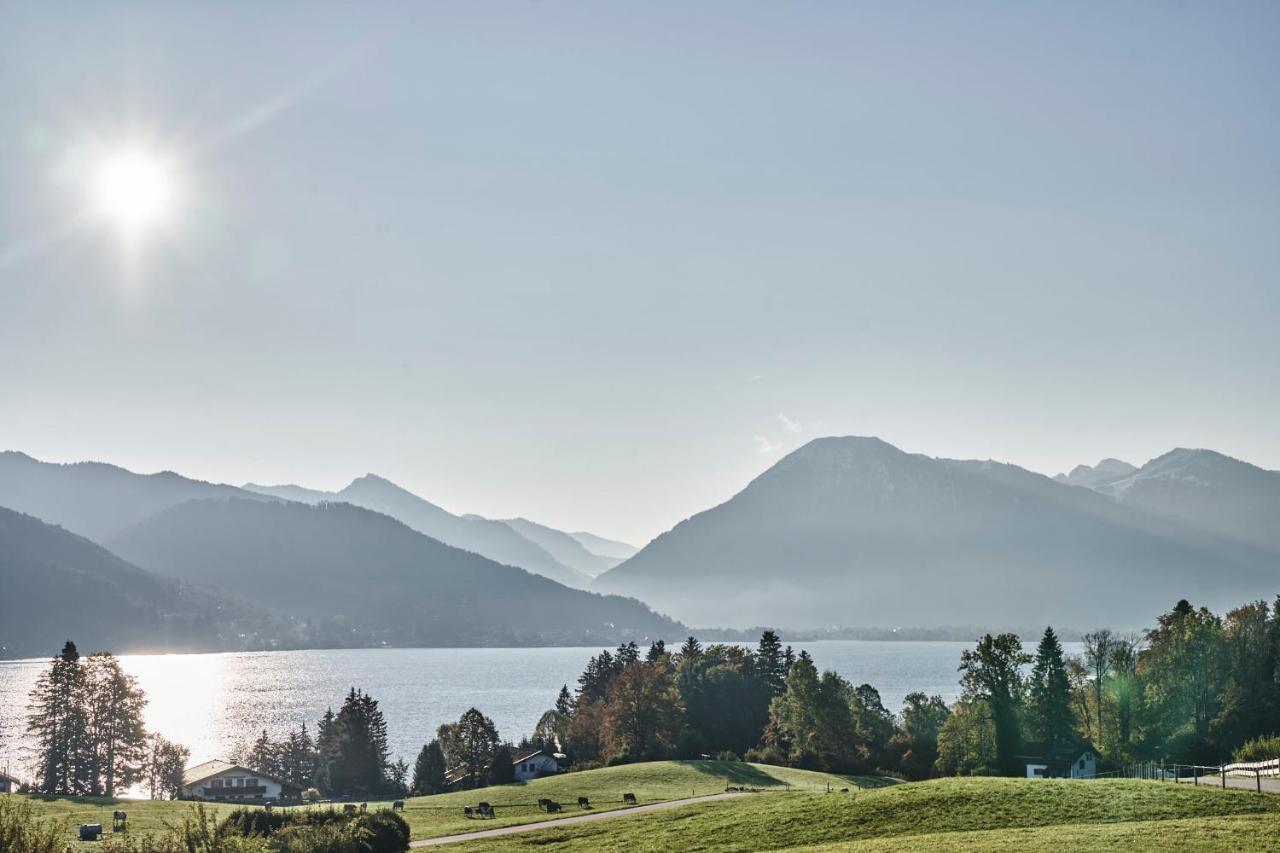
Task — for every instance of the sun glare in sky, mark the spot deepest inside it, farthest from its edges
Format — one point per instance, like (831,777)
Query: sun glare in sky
(134,189)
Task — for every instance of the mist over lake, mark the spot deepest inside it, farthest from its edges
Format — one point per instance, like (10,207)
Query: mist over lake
(209,702)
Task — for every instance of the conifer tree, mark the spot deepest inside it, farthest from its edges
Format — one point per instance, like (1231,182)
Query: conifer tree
(58,726)
(1049,711)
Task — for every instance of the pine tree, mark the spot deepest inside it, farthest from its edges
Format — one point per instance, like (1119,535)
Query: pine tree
(771,665)
(691,650)
(628,653)
(657,649)
(57,724)
(564,702)
(298,758)
(1049,711)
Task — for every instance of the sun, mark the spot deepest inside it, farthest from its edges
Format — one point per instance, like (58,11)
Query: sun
(134,189)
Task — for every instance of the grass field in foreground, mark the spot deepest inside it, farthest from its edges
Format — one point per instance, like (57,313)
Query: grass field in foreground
(967,814)
(515,804)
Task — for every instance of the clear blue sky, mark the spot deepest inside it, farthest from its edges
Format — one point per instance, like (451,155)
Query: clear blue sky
(599,264)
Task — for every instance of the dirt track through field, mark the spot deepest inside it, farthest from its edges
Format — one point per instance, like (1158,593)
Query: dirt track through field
(567,821)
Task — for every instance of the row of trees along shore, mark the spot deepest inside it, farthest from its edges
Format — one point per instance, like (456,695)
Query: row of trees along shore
(1196,688)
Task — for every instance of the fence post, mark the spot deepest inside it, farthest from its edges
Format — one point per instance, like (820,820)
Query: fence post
(1222,771)
(1257,779)
(1195,773)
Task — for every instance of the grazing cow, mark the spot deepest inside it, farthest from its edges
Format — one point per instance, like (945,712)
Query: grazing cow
(629,798)
(844,790)
(118,819)
(543,803)
(90,831)
(397,806)
(584,803)
(553,807)
(466,811)
(349,808)
(484,810)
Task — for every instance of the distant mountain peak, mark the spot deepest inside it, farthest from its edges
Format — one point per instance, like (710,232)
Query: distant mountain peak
(1090,476)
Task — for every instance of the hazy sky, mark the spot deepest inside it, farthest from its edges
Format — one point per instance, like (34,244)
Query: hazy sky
(600,264)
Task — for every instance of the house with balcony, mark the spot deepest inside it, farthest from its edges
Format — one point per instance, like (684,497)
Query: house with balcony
(222,781)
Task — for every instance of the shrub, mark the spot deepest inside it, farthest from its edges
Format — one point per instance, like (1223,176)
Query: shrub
(21,831)
(1262,748)
(325,830)
(620,758)
(727,755)
(766,755)
(382,831)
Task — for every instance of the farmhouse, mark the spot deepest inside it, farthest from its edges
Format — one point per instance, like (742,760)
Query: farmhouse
(533,763)
(1063,761)
(224,781)
(8,784)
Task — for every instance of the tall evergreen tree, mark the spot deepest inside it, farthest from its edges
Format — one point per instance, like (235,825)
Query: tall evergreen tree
(1049,706)
(564,702)
(690,649)
(771,663)
(58,726)
(657,649)
(627,654)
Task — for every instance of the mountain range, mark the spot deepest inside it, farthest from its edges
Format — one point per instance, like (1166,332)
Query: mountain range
(845,531)
(182,564)
(853,531)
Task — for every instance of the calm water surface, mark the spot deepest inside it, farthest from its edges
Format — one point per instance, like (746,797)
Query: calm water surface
(210,702)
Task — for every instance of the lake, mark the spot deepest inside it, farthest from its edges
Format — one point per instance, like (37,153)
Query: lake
(209,702)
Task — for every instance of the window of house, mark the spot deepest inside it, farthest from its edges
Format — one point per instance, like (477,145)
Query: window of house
(251,783)
(216,783)
(1081,763)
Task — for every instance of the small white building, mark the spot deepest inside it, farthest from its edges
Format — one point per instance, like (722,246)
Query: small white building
(534,763)
(8,784)
(1078,761)
(222,780)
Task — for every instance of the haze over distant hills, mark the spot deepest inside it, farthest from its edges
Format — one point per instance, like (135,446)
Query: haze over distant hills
(340,561)
(605,547)
(55,584)
(853,531)
(492,539)
(567,549)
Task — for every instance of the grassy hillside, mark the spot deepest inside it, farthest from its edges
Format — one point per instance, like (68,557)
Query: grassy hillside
(515,804)
(967,814)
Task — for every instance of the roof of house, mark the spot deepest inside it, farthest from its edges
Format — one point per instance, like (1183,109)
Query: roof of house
(13,779)
(526,754)
(216,767)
